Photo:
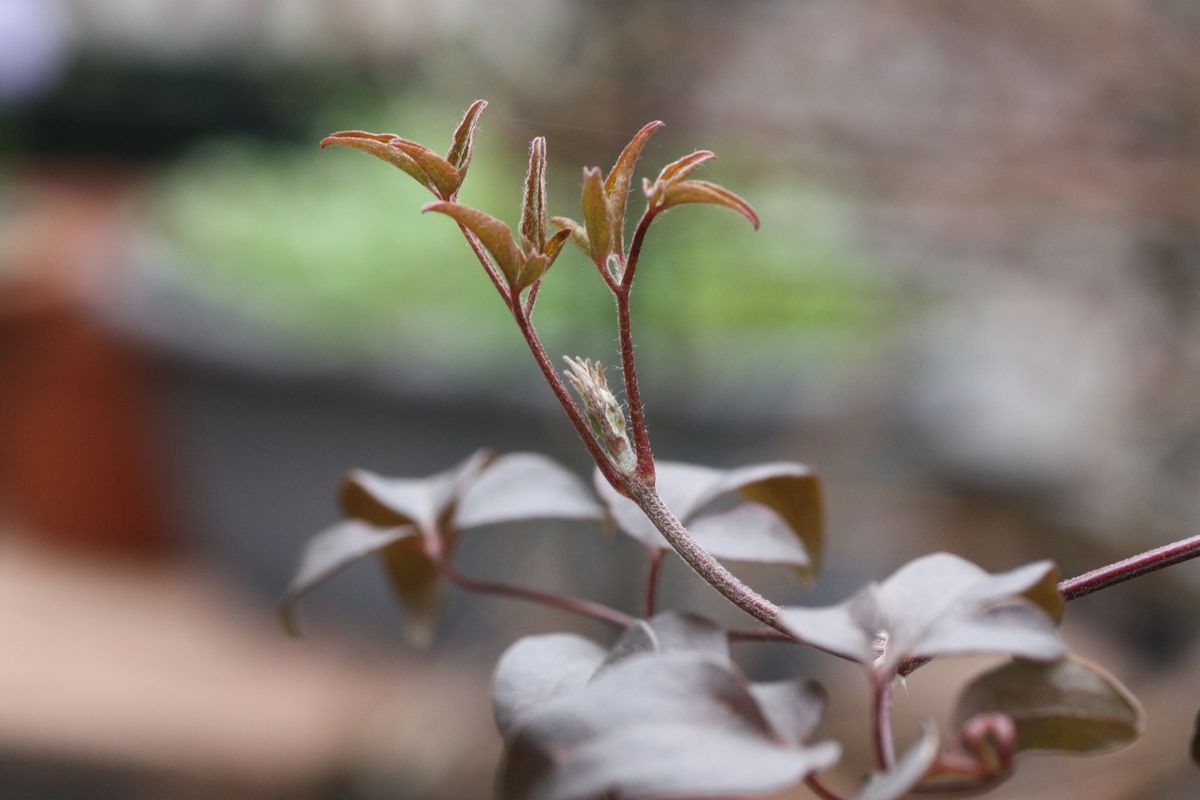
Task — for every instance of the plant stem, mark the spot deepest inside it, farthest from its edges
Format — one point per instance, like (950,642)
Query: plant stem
(641,487)
(1129,568)
(531,298)
(654,559)
(575,605)
(606,276)
(633,395)
(601,458)
(759,635)
(637,411)
(521,315)
(635,248)
(881,722)
(698,559)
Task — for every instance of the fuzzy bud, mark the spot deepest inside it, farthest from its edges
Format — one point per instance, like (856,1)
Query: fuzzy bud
(602,410)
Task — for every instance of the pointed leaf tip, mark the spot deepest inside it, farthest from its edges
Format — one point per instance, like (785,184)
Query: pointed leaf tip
(382,146)
(616,186)
(575,231)
(694,191)
(463,142)
(681,168)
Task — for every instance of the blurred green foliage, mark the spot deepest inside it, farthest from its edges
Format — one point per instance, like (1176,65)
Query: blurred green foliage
(329,248)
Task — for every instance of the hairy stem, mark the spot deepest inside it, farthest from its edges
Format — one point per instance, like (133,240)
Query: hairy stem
(637,411)
(521,315)
(635,248)
(633,395)
(531,298)
(1130,568)
(699,560)
(564,397)
(881,722)
(759,635)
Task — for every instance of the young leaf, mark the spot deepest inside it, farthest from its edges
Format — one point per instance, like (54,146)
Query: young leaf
(328,553)
(936,605)
(616,186)
(666,725)
(596,218)
(533,205)
(694,191)
(575,231)
(908,772)
(533,271)
(524,486)
(778,522)
(444,176)
(380,145)
(463,142)
(1066,706)
(496,237)
(554,244)
(678,170)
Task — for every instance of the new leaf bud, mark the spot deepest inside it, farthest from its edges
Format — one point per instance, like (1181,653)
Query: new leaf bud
(602,410)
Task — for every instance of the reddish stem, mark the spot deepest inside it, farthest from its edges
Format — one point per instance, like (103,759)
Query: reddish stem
(633,395)
(635,247)
(881,722)
(759,635)
(521,315)
(531,298)
(609,280)
(603,462)
(640,486)
(637,411)
(1130,568)
(654,559)
(575,605)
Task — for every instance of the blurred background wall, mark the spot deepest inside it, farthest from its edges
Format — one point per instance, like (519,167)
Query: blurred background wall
(973,307)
